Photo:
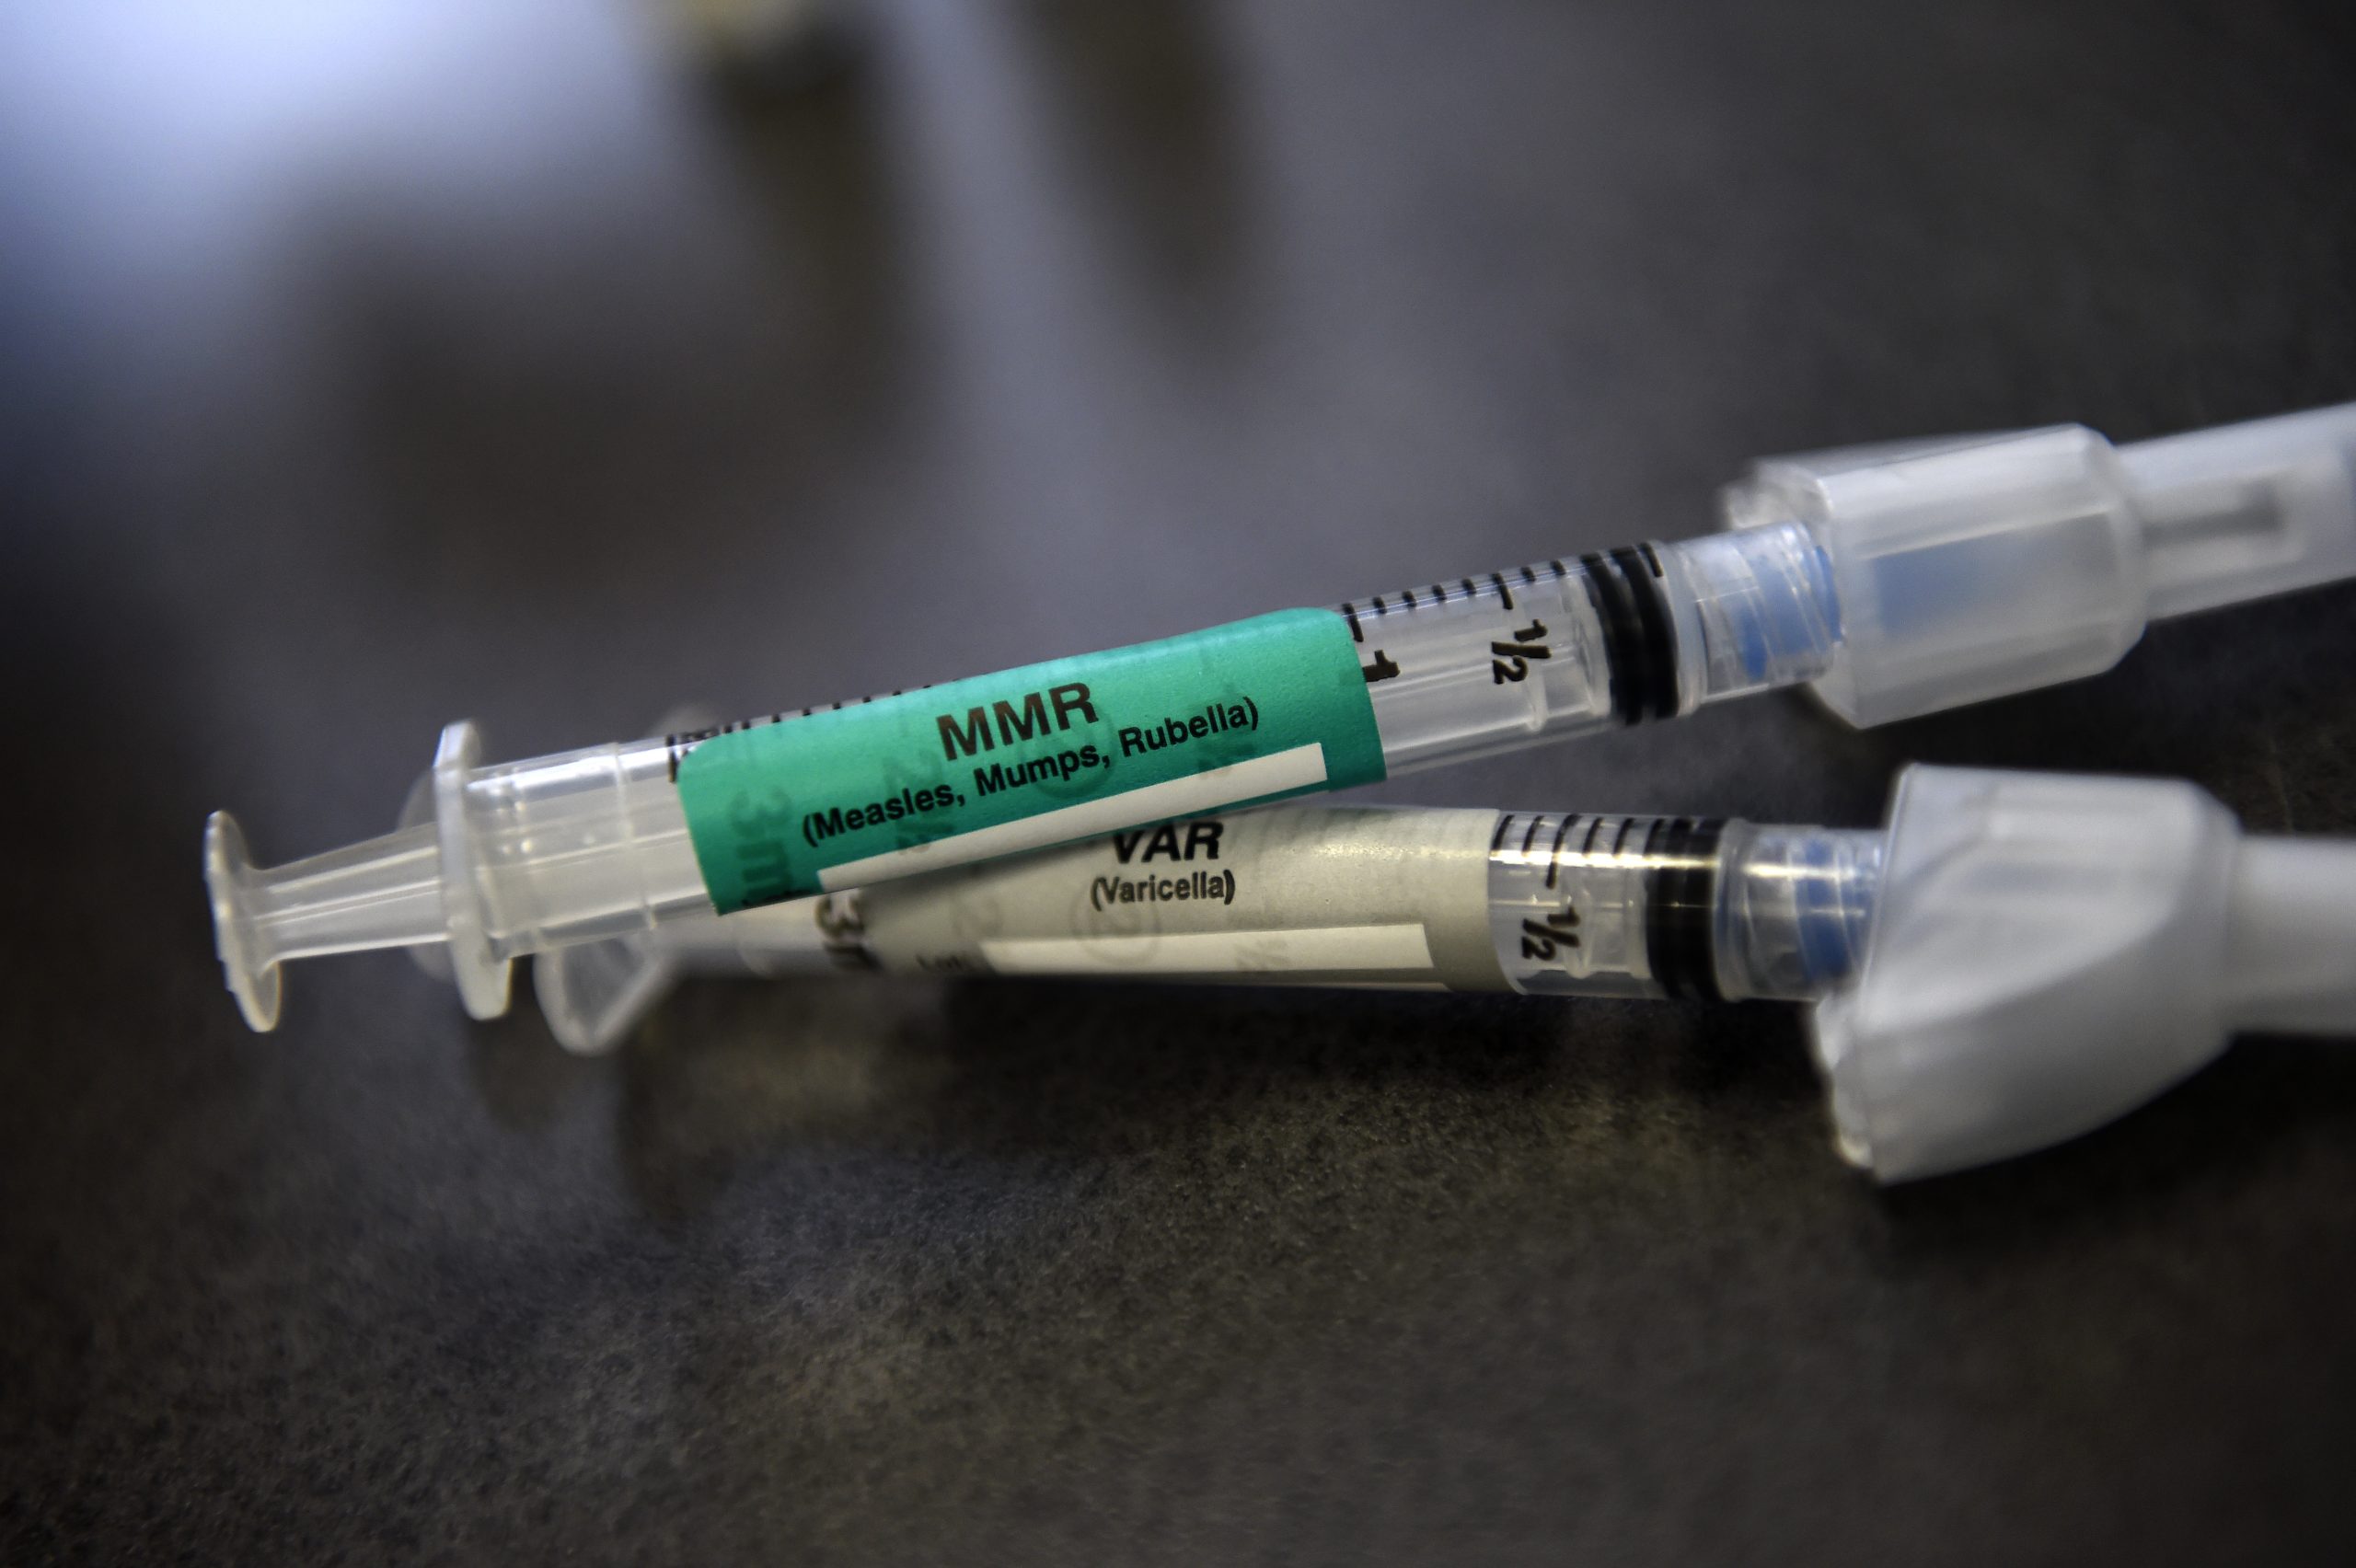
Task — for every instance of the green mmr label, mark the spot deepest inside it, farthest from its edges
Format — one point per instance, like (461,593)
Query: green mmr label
(1240,714)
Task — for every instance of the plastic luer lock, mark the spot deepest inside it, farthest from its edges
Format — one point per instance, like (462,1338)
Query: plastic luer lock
(1895,580)
(1972,568)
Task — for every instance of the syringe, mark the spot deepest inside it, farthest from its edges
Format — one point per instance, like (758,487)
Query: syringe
(1382,897)
(2018,958)
(1895,580)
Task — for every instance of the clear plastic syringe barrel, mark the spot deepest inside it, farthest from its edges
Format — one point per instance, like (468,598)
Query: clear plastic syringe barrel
(594,843)
(1380,897)
(1563,648)
(589,844)
(1678,906)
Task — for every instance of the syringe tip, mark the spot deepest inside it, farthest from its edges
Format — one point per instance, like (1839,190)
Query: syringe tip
(227,866)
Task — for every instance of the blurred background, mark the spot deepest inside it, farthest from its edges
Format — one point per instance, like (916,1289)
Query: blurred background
(368,365)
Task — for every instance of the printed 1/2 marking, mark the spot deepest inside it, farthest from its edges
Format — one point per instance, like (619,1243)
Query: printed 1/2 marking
(1540,939)
(1510,661)
(1510,658)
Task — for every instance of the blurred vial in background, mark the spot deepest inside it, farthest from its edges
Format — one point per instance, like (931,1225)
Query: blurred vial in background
(203,190)
(770,45)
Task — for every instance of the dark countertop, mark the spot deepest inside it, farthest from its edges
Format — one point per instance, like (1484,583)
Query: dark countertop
(1040,330)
